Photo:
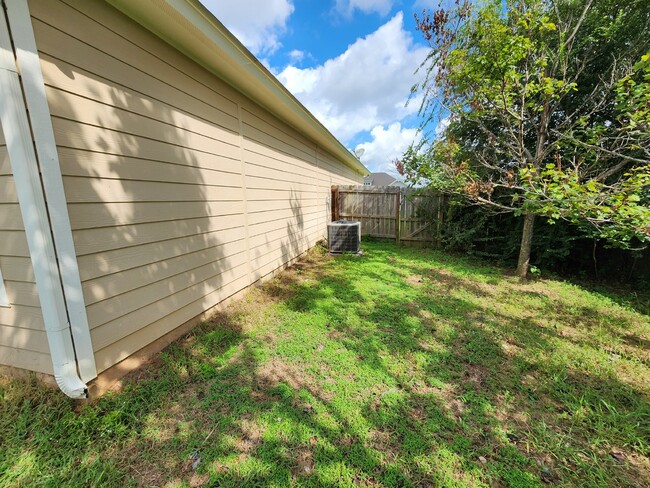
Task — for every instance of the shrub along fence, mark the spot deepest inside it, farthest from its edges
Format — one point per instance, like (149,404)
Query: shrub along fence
(419,215)
(392,212)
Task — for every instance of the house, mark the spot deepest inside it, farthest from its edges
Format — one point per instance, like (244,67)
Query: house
(382,179)
(151,169)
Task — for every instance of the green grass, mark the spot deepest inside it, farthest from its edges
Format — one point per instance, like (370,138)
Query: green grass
(403,367)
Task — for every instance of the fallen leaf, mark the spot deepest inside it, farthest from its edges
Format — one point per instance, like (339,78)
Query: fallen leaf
(548,475)
(196,459)
(306,463)
(619,456)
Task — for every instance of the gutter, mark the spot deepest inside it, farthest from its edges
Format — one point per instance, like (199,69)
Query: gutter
(192,29)
(26,172)
(48,160)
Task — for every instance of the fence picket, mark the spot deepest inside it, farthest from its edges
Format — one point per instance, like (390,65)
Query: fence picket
(403,214)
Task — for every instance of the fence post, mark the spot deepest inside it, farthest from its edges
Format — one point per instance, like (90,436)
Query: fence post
(335,203)
(441,202)
(398,217)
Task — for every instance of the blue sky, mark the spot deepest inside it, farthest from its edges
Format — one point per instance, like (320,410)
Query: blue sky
(350,62)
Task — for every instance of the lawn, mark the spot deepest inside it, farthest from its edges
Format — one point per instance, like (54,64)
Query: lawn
(403,367)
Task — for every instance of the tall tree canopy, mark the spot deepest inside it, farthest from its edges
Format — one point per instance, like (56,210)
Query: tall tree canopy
(547,111)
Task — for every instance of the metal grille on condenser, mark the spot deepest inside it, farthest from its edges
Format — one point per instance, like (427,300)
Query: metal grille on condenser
(343,236)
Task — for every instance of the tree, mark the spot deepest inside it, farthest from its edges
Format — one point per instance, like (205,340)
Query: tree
(547,112)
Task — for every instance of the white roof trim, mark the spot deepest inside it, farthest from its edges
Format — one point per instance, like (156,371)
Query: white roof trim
(192,29)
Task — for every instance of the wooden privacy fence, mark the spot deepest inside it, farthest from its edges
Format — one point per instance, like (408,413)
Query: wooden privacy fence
(403,214)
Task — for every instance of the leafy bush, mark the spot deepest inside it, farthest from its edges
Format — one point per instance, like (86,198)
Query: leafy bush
(559,247)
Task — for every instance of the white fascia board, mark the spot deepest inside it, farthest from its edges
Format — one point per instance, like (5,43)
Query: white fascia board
(192,29)
(24,165)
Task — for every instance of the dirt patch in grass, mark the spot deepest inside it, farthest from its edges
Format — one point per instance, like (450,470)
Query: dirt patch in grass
(510,348)
(250,437)
(443,277)
(414,280)
(277,371)
(283,286)
(304,463)
(385,442)
(476,375)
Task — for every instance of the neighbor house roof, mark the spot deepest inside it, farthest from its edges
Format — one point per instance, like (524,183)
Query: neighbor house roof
(192,29)
(382,179)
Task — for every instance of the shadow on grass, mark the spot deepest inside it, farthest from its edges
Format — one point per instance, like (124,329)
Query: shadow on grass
(47,439)
(348,372)
(634,297)
(483,373)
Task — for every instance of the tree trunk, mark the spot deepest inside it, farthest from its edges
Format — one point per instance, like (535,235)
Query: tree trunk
(524,250)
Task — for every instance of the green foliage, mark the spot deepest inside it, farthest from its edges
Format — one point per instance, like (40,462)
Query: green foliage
(547,111)
(633,100)
(622,217)
(560,247)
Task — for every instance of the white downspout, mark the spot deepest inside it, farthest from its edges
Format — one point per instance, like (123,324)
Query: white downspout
(48,159)
(24,165)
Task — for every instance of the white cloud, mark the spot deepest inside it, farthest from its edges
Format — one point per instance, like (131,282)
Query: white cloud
(387,144)
(347,7)
(366,86)
(296,55)
(442,126)
(258,25)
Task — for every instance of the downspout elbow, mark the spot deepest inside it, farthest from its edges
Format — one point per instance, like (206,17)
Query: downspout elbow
(69,383)
(63,360)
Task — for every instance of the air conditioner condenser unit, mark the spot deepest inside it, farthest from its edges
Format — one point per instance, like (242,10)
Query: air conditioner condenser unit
(344,236)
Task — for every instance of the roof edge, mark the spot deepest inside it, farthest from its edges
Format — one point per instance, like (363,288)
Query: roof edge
(192,29)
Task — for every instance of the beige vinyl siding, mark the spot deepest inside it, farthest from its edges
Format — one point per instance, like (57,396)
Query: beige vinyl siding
(181,192)
(23,341)
(289,181)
